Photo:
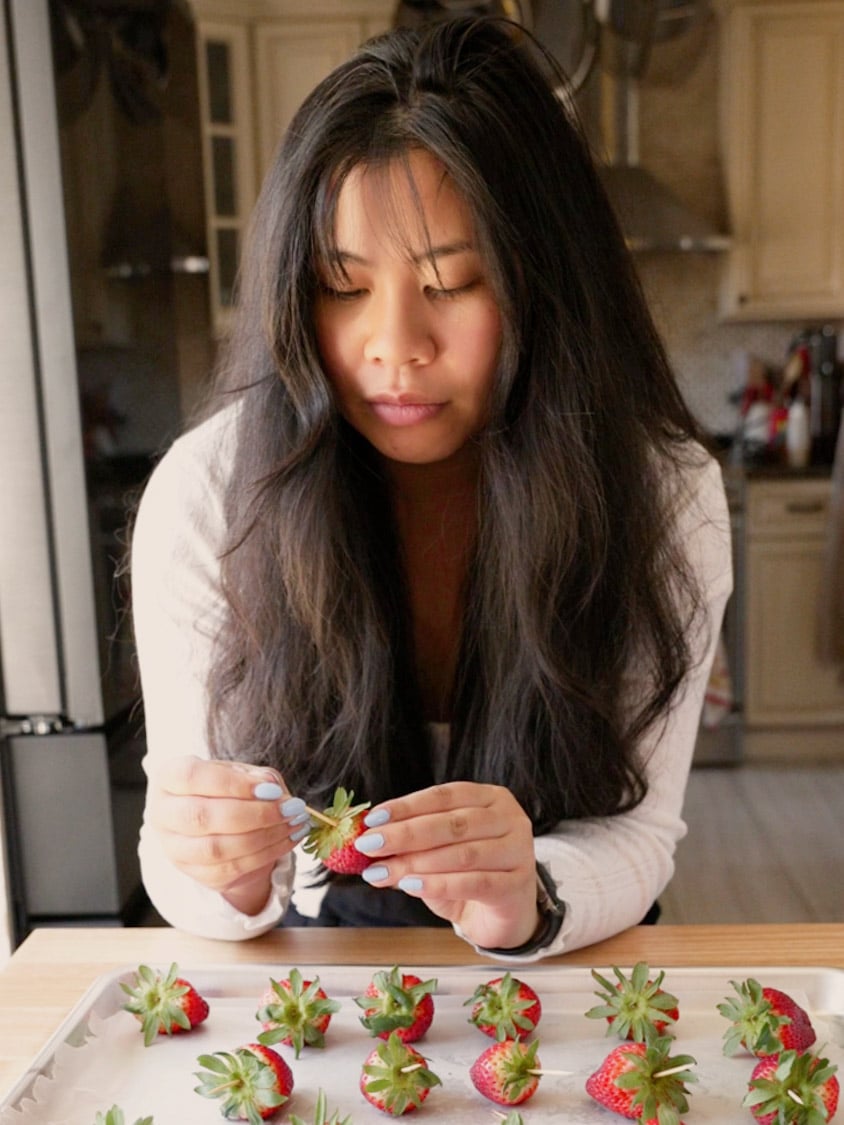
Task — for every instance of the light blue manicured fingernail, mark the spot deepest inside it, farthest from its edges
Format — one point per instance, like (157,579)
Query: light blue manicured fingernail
(300,833)
(410,883)
(376,818)
(375,873)
(292,807)
(267,791)
(370,842)
(300,818)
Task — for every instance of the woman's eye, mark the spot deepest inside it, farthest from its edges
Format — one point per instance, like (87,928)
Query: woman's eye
(334,294)
(448,293)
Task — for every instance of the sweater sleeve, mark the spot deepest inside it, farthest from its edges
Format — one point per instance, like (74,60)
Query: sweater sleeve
(176,603)
(609,871)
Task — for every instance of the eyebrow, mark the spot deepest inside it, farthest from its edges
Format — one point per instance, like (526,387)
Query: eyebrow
(342,257)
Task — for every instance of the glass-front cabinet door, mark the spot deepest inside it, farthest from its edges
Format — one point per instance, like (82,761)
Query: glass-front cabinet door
(229,158)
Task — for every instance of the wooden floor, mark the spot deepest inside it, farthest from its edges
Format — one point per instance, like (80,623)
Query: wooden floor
(765,844)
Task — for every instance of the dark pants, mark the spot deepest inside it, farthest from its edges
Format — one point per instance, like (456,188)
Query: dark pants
(351,902)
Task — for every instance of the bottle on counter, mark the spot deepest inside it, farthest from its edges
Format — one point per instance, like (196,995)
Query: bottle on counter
(798,440)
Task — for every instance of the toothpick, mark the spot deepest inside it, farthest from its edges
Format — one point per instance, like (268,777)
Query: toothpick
(671,1070)
(321,816)
(410,1067)
(564,1073)
(795,1097)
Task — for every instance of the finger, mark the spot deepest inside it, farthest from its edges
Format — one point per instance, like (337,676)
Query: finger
(204,777)
(224,816)
(482,856)
(435,799)
(213,851)
(456,825)
(487,887)
(224,876)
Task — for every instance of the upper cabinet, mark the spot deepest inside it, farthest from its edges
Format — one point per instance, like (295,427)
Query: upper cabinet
(782,124)
(258,60)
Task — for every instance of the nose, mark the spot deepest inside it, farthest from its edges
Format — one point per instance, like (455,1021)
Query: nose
(398,331)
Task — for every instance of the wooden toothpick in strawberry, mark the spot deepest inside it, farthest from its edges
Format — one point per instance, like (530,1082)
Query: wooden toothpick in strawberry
(163,1005)
(508,1072)
(793,1088)
(400,1002)
(395,1078)
(633,1005)
(296,1012)
(505,1008)
(332,837)
(764,1021)
(643,1080)
(253,1081)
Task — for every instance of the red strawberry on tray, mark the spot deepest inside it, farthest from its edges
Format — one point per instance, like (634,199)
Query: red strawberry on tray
(296,1012)
(400,1002)
(505,1008)
(764,1021)
(395,1077)
(635,1004)
(163,1005)
(254,1082)
(332,836)
(508,1072)
(643,1080)
(793,1088)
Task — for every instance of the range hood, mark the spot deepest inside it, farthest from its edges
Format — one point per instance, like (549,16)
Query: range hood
(651,215)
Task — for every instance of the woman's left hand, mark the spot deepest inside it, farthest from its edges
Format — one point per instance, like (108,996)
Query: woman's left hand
(466,850)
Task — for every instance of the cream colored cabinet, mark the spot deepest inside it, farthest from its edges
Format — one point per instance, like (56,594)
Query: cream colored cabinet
(782,128)
(258,60)
(786,685)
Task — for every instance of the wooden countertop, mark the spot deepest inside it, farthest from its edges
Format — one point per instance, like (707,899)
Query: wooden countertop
(51,970)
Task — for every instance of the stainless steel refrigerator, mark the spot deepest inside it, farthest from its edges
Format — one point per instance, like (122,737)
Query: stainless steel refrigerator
(71,725)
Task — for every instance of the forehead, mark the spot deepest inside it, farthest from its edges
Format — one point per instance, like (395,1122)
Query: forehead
(410,202)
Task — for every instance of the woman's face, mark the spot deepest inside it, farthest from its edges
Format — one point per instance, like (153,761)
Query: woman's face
(407,325)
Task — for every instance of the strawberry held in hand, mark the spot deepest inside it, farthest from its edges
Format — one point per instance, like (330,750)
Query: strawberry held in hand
(792,1088)
(165,1005)
(634,1080)
(507,1072)
(635,1004)
(505,1008)
(395,1077)
(333,844)
(399,1002)
(254,1082)
(764,1021)
(296,1012)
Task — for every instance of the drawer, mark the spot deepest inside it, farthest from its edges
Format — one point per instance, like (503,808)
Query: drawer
(788,508)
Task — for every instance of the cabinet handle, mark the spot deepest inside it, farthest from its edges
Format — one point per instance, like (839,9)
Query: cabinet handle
(805,507)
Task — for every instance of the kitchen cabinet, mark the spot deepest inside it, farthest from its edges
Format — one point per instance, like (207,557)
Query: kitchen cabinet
(782,129)
(258,59)
(786,685)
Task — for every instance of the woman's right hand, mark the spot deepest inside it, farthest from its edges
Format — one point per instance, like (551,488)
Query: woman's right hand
(225,824)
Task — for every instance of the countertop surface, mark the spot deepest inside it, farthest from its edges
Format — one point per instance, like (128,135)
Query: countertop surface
(53,968)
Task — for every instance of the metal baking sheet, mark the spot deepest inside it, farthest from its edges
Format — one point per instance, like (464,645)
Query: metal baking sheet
(97,1057)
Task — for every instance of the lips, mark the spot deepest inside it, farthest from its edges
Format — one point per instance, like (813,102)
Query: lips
(395,412)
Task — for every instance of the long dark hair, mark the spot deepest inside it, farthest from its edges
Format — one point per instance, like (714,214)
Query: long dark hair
(578,600)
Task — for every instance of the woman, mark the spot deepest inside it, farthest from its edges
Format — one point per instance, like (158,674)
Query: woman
(447,537)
